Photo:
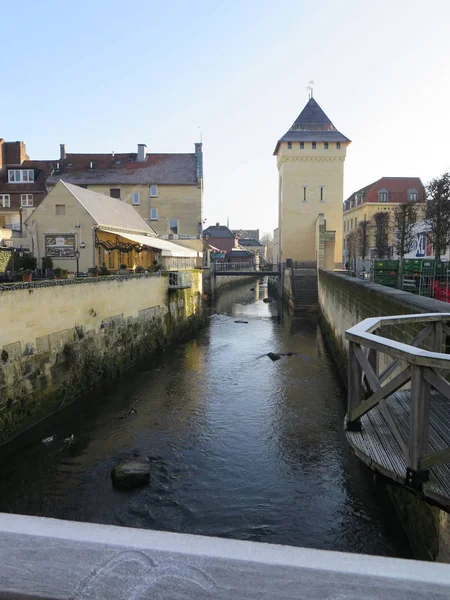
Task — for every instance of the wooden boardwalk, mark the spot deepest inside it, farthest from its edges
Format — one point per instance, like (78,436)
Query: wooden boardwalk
(398,418)
(376,445)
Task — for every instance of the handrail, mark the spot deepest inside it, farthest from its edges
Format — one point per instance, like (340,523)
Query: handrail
(368,388)
(362,333)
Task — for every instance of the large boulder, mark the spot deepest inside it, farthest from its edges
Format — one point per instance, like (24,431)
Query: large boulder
(130,474)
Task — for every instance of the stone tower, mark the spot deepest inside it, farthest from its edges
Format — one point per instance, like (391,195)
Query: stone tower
(310,158)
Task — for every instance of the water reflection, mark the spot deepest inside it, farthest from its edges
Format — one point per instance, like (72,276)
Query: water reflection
(239,446)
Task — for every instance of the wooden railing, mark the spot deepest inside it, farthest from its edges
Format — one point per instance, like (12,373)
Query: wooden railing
(425,369)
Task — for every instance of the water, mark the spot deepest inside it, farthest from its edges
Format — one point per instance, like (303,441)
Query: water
(240,446)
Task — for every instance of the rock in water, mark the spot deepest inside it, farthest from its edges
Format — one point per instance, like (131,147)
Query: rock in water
(130,474)
(273,356)
(267,300)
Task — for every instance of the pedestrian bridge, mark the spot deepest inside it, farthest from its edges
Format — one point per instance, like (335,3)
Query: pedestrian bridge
(398,417)
(53,559)
(244,269)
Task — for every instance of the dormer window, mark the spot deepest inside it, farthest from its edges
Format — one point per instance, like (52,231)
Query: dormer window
(383,196)
(21,176)
(358,199)
(413,195)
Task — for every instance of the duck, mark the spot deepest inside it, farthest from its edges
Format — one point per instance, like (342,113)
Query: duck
(70,439)
(48,439)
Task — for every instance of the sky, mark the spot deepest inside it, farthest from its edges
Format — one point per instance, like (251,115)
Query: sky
(102,76)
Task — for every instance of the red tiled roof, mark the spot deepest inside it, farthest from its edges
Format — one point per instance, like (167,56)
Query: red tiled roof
(397,188)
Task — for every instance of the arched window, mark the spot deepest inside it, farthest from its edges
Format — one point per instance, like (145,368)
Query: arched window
(413,195)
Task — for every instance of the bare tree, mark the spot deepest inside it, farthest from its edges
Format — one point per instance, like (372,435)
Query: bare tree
(267,240)
(352,247)
(405,219)
(437,216)
(381,225)
(363,238)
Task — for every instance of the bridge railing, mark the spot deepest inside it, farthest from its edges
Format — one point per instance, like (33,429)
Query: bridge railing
(369,385)
(234,266)
(50,558)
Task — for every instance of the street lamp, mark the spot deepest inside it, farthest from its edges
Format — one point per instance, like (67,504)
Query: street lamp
(77,256)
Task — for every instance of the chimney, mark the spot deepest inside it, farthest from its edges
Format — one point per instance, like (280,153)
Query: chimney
(112,153)
(91,164)
(141,152)
(62,151)
(217,224)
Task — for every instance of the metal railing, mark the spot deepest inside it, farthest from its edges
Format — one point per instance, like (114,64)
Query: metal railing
(370,387)
(233,266)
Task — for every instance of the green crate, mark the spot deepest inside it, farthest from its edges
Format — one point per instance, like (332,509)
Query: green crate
(385,264)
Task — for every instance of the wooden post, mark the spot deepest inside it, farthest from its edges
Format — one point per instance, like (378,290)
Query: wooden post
(354,388)
(436,344)
(420,423)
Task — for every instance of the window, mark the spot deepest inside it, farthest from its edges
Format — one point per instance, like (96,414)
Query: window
(321,193)
(153,191)
(325,145)
(21,176)
(26,200)
(358,199)
(413,196)
(383,196)
(60,210)
(114,193)
(302,145)
(338,145)
(314,145)
(136,198)
(289,145)
(356,222)
(351,224)
(304,193)
(5,201)
(173,226)
(153,214)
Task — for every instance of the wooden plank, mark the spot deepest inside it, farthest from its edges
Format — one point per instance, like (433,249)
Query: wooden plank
(354,381)
(396,459)
(438,382)
(436,343)
(434,458)
(420,418)
(445,329)
(367,369)
(394,429)
(421,337)
(389,388)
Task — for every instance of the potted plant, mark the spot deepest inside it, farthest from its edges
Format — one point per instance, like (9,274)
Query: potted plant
(47,264)
(64,274)
(57,273)
(139,269)
(123,270)
(103,270)
(27,275)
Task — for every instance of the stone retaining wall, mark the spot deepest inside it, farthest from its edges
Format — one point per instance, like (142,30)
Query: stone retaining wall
(344,302)
(58,338)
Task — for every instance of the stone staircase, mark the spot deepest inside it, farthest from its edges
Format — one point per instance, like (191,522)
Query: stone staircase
(305,288)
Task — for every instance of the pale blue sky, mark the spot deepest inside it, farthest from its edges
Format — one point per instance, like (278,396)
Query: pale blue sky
(102,76)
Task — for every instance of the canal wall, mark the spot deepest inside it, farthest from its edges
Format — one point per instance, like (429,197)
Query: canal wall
(214,285)
(59,338)
(344,302)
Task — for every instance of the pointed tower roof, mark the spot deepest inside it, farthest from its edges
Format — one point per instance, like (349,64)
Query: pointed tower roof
(312,125)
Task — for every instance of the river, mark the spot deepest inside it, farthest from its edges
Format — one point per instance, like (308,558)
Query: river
(239,446)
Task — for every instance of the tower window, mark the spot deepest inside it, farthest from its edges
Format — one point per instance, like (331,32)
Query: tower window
(302,145)
(304,193)
(325,145)
(321,193)
(314,145)
(289,145)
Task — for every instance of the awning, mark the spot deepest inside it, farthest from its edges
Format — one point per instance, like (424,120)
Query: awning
(167,248)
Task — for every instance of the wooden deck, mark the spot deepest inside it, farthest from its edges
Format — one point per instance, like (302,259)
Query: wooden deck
(398,418)
(376,445)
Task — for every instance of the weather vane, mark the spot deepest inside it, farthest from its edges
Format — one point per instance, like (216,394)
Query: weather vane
(310,88)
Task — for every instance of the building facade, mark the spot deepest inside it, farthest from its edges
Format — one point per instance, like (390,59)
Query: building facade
(310,160)
(22,184)
(165,189)
(382,195)
(220,237)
